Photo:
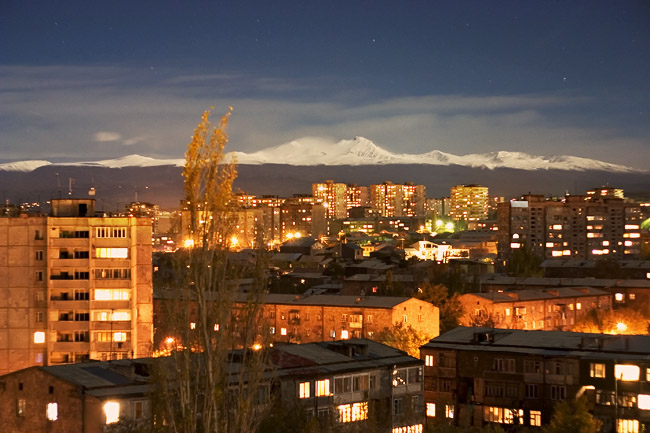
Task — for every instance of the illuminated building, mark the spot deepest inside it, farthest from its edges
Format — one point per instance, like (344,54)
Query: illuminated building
(578,227)
(357,196)
(393,200)
(333,196)
(508,376)
(301,217)
(606,192)
(75,287)
(469,202)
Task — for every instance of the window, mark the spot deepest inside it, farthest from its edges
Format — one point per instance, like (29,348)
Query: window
(112,274)
(597,370)
(21,404)
(532,366)
(531,390)
(120,336)
(353,412)
(110,232)
(39,337)
(283,331)
(535,418)
(39,317)
(342,385)
(428,360)
(558,392)
(112,412)
(627,372)
(39,255)
(323,388)
(112,294)
(303,391)
(112,253)
(449,411)
(52,411)
(345,335)
(38,276)
(500,364)
(121,316)
(81,317)
(81,295)
(628,426)
(644,401)
(272,330)
(138,409)
(398,406)
(431,409)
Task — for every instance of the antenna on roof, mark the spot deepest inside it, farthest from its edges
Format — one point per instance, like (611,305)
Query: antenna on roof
(58,183)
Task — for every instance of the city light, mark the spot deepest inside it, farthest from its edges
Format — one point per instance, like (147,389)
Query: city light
(621,327)
(169,340)
(188,243)
(112,412)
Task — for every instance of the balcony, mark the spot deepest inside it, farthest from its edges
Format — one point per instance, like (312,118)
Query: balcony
(71,346)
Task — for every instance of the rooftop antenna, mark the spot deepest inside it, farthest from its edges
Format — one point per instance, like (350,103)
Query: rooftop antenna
(70,183)
(92,191)
(58,182)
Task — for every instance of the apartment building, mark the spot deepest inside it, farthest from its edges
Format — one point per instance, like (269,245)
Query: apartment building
(546,309)
(394,200)
(578,227)
(74,287)
(474,376)
(469,202)
(333,196)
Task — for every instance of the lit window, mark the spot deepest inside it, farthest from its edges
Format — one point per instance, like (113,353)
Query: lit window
(449,410)
(283,331)
(428,360)
(597,370)
(515,245)
(121,315)
(578,306)
(120,336)
(431,409)
(112,253)
(323,388)
(344,335)
(556,253)
(628,426)
(39,337)
(627,372)
(192,325)
(52,411)
(272,330)
(21,404)
(535,418)
(507,311)
(112,412)
(618,297)
(303,392)
(644,401)
(550,244)
(557,226)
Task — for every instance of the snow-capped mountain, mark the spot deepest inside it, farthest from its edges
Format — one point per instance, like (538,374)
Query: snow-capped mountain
(315,151)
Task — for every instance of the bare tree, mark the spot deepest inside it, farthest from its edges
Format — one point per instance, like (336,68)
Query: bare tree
(213,379)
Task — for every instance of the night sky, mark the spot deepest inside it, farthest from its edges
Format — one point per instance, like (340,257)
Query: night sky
(84,80)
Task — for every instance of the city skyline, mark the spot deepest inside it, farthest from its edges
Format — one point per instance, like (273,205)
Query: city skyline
(104,81)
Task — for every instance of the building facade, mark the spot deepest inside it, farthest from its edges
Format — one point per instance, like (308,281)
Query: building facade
(333,196)
(474,376)
(578,227)
(75,287)
(469,202)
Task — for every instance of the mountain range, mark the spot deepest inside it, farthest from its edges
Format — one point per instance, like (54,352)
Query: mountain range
(291,168)
(315,151)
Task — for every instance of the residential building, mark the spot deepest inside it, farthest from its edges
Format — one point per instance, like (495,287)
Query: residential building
(547,309)
(474,376)
(357,196)
(333,197)
(469,202)
(393,200)
(578,227)
(75,287)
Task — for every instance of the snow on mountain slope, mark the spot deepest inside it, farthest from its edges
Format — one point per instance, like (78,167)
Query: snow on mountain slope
(314,151)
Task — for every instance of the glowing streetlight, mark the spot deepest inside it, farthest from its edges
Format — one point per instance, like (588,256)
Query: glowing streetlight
(234,241)
(438,223)
(169,340)
(449,226)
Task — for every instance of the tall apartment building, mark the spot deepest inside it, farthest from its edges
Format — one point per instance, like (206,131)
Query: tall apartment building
(74,287)
(357,196)
(578,227)
(469,202)
(300,216)
(391,200)
(333,196)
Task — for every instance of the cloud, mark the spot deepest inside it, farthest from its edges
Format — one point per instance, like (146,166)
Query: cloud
(106,136)
(133,140)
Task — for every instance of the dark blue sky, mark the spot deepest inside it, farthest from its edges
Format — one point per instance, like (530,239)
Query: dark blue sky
(105,79)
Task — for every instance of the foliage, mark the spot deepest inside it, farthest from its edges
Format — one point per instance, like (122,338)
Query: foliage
(622,321)
(572,416)
(446,427)
(523,262)
(403,338)
(450,307)
(202,386)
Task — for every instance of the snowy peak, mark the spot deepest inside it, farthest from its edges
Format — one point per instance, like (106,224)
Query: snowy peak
(315,151)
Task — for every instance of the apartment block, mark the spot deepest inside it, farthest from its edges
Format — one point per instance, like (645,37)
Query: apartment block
(74,287)
(469,202)
(474,376)
(546,309)
(333,196)
(394,200)
(578,227)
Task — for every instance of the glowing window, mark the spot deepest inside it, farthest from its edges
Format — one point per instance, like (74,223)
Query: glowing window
(535,418)
(556,253)
(120,336)
(344,335)
(322,388)
(52,411)
(644,401)
(112,412)
(627,372)
(39,337)
(628,426)
(431,409)
(619,297)
(111,253)
(449,410)
(283,331)
(515,245)
(353,412)
(597,370)
(303,391)
(550,244)
(121,315)
(557,226)
(112,295)
(428,360)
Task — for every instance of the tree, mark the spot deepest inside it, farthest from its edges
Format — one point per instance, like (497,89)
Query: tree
(572,416)
(403,338)
(204,385)
(449,307)
(622,321)
(523,262)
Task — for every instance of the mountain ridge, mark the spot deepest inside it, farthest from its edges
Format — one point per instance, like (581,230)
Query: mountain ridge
(359,151)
